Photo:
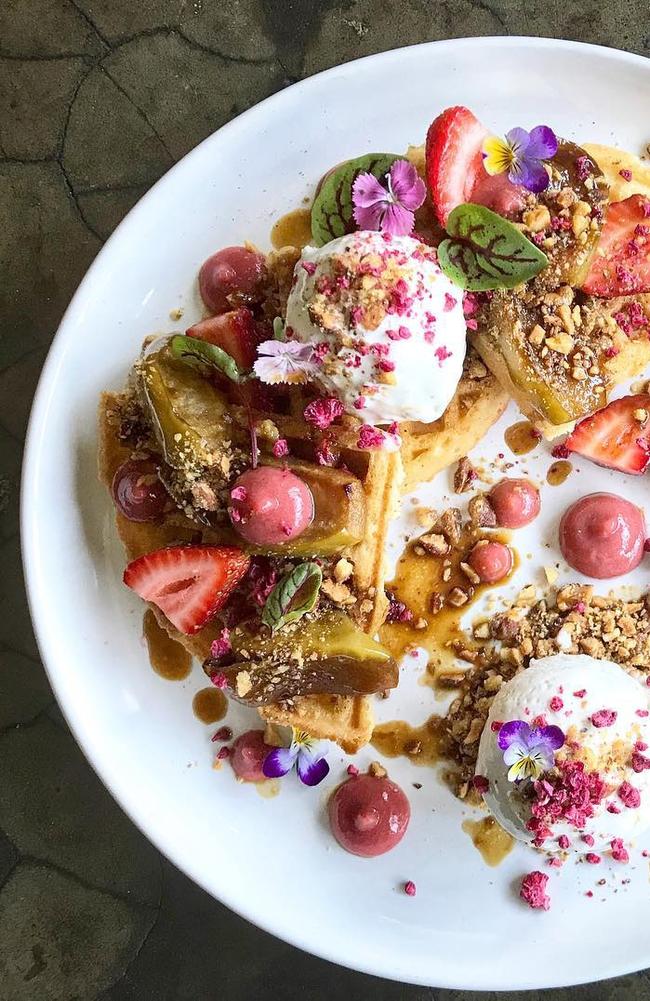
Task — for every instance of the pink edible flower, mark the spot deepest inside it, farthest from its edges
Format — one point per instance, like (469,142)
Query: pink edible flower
(280,448)
(604,717)
(629,796)
(409,888)
(533,890)
(221,646)
(389,209)
(322,413)
(619,851)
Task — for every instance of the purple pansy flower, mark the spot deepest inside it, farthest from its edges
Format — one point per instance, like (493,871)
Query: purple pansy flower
(389,209)
(311,767)
(528,751)
(522,155)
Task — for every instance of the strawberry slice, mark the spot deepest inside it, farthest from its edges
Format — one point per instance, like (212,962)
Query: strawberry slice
(236,332)
(620,264)
(455,171)
(617,437)
(188,583)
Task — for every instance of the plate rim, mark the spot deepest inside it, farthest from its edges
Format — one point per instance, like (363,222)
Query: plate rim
(36,434)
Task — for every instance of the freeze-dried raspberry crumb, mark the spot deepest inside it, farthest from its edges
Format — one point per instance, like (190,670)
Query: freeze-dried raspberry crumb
(563,842)
(353,770)
(539,721)
(560,452)
(322,413)
(639,762)
(631,318)
(280,448)
(613,808)
(592,858)
(583,167)
(325,456)
(224,752)
(397,610)
(410,888)
(219,679)
(570,794)
(223,733)
(642,713)
(221,646)
(588,840)
(629,796)
(370,437)
(619,851)
(556,862)
(533,890)
(604,717)
(556,704)
(480,783)
(450,302)
(496,725)
(640,746)
(580,694)
(626,174)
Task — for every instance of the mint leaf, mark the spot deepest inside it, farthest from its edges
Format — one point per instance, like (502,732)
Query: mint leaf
(294,595)
(199,353)
(485,251)
(331,213)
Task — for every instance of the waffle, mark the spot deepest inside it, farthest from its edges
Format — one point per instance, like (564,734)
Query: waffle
(346,720)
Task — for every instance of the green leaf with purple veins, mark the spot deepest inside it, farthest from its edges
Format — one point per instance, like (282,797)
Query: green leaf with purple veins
(293,596)
(332,211)
(485,251)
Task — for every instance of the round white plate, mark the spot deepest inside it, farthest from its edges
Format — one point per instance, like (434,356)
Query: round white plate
(273,860)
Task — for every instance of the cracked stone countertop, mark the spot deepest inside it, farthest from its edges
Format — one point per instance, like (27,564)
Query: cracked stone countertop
(97,99)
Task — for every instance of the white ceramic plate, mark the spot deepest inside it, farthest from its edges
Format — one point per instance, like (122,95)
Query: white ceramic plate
(274,861)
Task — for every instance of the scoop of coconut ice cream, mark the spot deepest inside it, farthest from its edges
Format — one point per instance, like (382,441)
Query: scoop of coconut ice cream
(386,324)
(580,764)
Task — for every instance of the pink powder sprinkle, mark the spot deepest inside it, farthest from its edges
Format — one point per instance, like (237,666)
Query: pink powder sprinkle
(619,851)
(221,646)
(387,366)
(533,890)
(629,796)
(322,413)
(626,174)
(309,267)
(480,783)
(352,770)
(224,752)
(588,840)
(580,694)
(592,858)
(604,717)
(280,448)
(556,704)
(238,493)
(642,713)
(223,733)
(219,679)
(639,762)
(563,842)
(409,888)
(370,437)
(496,725)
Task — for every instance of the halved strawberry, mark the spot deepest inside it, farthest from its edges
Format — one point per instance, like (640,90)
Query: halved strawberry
(455,171)
(236,332)
(188,583)
(620,265)
(617,437)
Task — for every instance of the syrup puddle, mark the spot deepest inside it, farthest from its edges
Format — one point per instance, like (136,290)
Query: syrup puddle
(167,657)
(521,438)
(489,839)
(210,705)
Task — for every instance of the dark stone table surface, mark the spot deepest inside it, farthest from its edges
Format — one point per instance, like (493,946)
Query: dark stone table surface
(97,99)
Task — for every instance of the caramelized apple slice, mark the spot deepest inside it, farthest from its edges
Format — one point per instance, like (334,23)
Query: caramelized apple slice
(325,655)
(187,412)
(575,200)
(550,363)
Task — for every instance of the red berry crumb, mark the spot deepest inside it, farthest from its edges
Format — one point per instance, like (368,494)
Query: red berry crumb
(224,752)
(629,796)
(353,770)
(580,694)
(588,840)
(410,888)
(533,890)
(223,733)
(563,842)
(604,717)
(480,783)
(556,704)
(619,851)
(592,858)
